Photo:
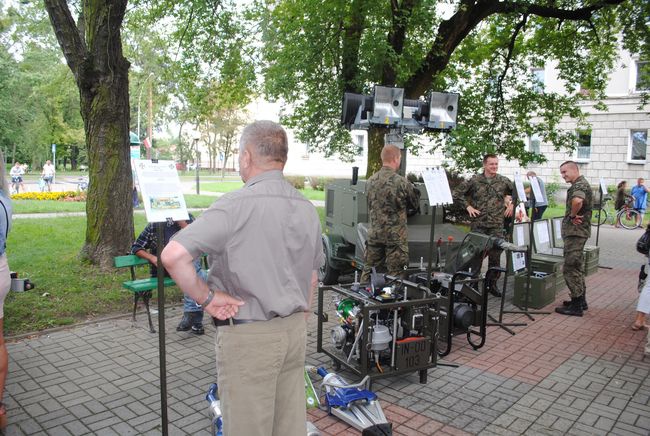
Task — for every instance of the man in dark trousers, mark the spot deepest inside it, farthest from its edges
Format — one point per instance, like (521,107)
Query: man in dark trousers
(487,197)
(389,196)
(576,229)
(146,247)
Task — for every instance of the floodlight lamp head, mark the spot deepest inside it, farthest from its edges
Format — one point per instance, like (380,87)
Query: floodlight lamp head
(441,110)
(388,103)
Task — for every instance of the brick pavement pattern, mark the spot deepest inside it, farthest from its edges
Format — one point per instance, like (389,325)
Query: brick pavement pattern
(557,375)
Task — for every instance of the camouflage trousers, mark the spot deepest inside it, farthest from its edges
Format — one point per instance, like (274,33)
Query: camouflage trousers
(574,265)
(392,258)
(494,254)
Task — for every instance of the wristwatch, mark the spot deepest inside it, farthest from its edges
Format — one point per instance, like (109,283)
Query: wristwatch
(208,300)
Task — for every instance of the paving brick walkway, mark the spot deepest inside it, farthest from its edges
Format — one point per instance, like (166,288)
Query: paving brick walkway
(557,375)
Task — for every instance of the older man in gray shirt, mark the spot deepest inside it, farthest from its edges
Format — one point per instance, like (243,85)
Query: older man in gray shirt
(264,246)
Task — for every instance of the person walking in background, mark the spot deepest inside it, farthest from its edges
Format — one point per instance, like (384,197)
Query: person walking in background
(389,196)
(48,174)
(487,197)
(540,203)
(640,194)
(621,197)
(5,284)
(576,229)
(265,248)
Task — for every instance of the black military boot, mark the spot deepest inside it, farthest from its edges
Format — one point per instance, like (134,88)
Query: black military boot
(583,303)
(197,323)
(492,288)
(574,308)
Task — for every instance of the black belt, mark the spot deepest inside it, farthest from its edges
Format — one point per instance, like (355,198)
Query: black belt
(227,322)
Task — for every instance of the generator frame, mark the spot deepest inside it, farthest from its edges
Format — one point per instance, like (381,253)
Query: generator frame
(368,305)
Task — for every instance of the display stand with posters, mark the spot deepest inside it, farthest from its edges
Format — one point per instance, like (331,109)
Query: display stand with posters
(163,201)
(439,194)
(536,192)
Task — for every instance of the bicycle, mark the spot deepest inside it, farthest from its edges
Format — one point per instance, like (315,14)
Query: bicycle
(627,217)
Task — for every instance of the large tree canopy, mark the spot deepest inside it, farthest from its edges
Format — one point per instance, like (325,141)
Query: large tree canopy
(316,51)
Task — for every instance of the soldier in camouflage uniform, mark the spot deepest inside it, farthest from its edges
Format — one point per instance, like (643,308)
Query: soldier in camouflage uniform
(389,196)
(487,199)
(576,229)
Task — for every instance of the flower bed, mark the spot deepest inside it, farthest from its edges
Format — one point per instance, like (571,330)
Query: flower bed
(60,195)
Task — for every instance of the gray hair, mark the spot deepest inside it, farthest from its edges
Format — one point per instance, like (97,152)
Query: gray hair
(4,185)
(266,140)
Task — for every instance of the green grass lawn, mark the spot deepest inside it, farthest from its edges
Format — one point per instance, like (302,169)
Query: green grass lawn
(67,290)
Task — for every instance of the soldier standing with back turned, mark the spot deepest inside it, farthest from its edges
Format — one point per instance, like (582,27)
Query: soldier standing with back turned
(487,197)
(389,197)
(576,229)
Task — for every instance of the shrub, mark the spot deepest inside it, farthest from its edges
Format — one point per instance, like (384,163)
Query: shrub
(297,182)
(551,190)
(318,183)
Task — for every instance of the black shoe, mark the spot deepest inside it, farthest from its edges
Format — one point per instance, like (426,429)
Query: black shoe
(583,304)
(197,329)
(573,309)
(495,292)
(186,322)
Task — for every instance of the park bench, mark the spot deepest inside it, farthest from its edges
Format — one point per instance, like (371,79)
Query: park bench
(141,288)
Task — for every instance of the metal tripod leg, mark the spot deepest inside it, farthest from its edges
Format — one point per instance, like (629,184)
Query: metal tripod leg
(499,322)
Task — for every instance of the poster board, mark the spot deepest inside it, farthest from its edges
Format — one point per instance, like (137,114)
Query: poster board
(437,185)
(603,186)
(519,184)
(161,190)
(537,191)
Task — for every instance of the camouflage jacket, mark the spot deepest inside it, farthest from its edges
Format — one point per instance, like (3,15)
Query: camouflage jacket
(579,188)
(389,195)
(488,196)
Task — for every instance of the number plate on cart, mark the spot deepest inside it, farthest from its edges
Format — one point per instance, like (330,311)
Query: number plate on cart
(412,353)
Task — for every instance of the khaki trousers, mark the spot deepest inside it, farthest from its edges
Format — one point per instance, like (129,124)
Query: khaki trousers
(260,368)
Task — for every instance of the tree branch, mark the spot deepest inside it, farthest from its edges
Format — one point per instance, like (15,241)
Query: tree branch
(397,36)
(511,47)
(451,32)
(66,31)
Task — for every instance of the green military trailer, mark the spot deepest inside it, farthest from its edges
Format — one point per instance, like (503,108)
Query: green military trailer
(346,230)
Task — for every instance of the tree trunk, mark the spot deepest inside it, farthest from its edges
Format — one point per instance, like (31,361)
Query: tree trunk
(93,51)
(375,144)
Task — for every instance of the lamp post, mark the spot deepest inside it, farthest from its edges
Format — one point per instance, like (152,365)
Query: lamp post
(139,98)
(196,160)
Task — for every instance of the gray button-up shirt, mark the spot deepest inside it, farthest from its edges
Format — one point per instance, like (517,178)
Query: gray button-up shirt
(263,242)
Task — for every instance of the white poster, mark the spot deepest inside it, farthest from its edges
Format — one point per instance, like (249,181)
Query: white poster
(437,185)
(603,186)
(519,235)
(537,192)
(518,261)
(541,228)
(161,190)
(519,184)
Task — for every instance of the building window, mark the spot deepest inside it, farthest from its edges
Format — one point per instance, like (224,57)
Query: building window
(583,150)
(637,148)
(534,143)
(538,80)
(642,81)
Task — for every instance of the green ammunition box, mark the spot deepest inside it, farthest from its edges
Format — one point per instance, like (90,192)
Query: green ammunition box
(542,289)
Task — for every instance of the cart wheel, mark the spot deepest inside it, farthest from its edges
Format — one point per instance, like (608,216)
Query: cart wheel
(327,274)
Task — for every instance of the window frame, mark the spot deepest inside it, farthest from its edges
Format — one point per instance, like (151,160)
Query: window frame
(529,143)
(635,79)
(629,147)
(579,133)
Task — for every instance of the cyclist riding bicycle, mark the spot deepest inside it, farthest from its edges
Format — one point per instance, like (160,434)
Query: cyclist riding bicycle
(48,174)
(16,174)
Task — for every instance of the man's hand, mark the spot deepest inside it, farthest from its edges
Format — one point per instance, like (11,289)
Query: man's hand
(473,212)
(577,220)
(223,306)
(509,210)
